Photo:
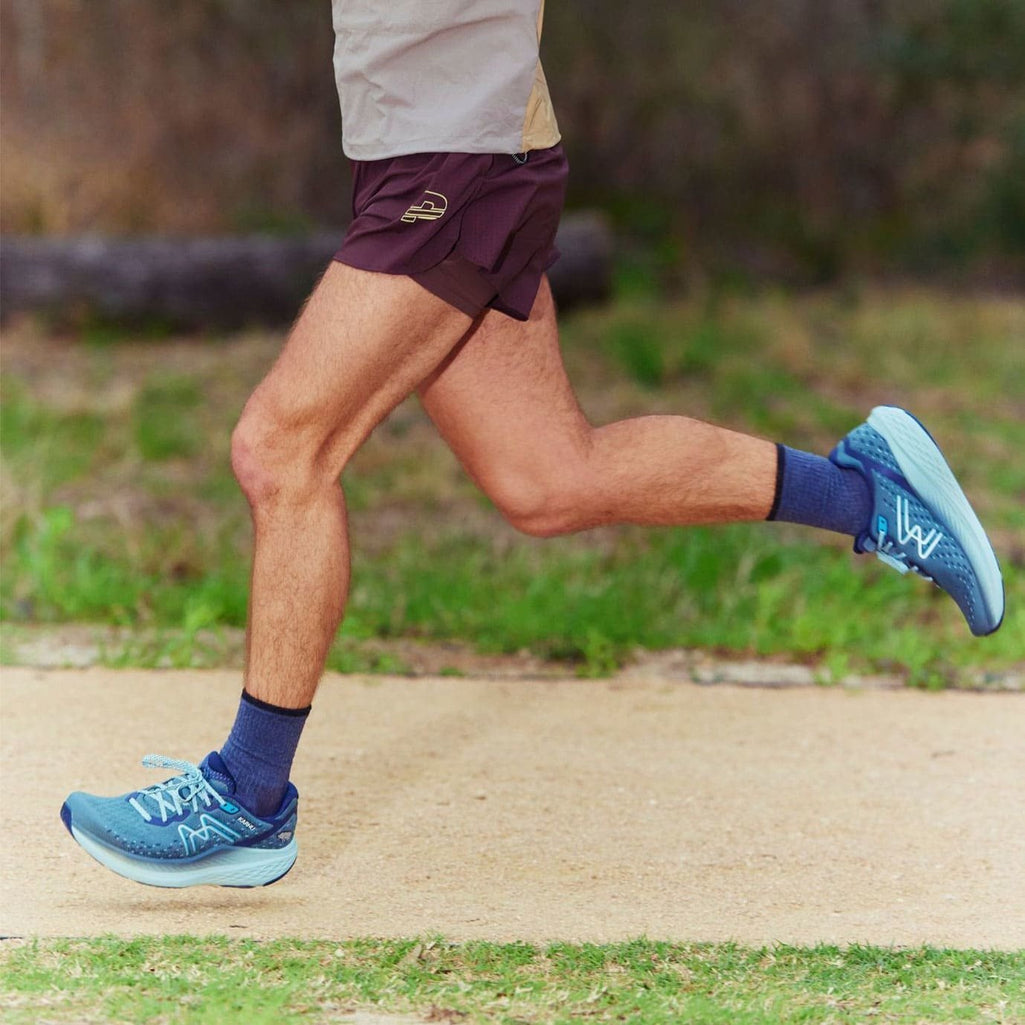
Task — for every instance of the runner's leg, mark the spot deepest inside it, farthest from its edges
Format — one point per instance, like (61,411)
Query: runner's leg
(363,343)
(504,404)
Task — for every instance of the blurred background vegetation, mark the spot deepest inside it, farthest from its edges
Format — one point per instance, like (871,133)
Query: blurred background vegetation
(797,139)
(854,144)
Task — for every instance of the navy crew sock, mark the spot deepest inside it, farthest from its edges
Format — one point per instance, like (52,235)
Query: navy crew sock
(259,751)
(815,491)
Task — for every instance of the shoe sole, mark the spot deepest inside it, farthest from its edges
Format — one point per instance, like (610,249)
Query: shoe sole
(232,866)
(923,466)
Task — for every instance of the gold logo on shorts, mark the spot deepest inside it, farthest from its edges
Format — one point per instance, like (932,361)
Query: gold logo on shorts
(427,209)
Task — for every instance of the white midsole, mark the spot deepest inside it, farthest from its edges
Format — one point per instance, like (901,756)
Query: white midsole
(926,470)
(232,866)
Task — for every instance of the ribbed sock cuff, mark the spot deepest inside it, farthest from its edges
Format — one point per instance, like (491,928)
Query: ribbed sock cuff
(781,462)
(276,709)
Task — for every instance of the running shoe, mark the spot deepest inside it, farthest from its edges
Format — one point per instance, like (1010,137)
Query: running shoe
(921,520)
(186,831)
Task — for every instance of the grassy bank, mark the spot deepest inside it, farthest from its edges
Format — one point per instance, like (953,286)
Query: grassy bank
(191,981)
(120,507)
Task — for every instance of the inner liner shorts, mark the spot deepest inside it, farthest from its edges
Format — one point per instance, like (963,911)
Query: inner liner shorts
(476,230)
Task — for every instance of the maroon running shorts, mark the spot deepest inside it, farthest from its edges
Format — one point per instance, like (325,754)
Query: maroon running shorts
(476,230)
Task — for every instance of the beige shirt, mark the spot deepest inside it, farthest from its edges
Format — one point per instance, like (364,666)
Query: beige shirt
(441,76)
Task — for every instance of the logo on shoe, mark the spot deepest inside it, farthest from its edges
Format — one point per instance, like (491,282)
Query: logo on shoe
(430,208)
(908,531)
(194,839)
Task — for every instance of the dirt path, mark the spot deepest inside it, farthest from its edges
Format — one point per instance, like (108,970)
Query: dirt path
(557,809)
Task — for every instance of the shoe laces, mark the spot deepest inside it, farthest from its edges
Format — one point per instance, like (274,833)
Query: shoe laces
(170,798)
(887,551)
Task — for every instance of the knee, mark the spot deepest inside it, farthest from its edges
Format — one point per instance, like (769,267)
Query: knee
(537,505)
(269,456)
(251,460)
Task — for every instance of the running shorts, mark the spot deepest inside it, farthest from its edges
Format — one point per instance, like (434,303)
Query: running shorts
(477,230)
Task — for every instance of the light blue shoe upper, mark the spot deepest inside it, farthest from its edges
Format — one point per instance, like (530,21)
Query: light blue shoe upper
(181,819)
(921,520)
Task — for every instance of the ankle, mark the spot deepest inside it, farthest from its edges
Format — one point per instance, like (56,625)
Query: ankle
(258,752)
(814,491)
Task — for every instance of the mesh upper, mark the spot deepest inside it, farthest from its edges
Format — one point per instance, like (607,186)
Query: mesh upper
(115,822)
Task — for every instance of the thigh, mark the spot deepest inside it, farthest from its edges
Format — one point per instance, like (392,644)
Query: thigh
(363,342)
(503,402)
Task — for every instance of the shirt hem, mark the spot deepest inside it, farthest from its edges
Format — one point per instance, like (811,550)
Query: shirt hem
(487,147)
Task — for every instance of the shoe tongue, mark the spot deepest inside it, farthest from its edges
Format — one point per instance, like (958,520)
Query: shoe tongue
(216,773)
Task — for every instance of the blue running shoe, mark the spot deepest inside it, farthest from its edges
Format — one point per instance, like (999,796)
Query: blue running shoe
(921,520)
(186,831)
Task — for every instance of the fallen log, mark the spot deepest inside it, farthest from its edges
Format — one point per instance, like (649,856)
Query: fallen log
(231,282)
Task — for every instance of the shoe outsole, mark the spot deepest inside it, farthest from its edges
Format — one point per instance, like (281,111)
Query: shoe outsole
(241,867)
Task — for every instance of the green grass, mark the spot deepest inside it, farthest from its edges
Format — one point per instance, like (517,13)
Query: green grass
(192,981)
(48,448)
(120,507)
(736,589)
(733,589)
(163,419)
